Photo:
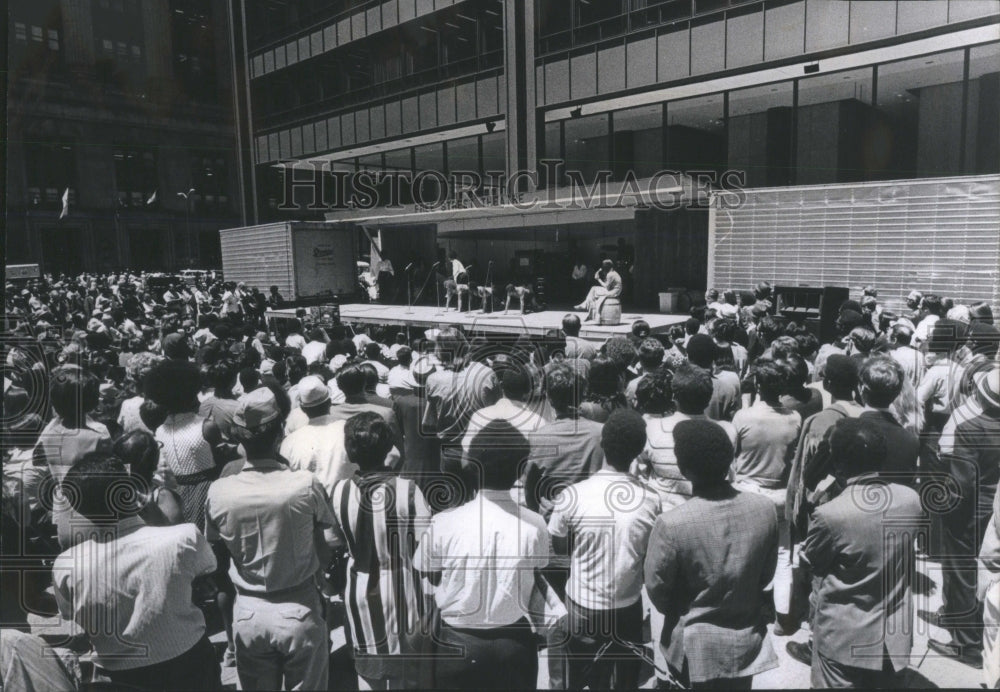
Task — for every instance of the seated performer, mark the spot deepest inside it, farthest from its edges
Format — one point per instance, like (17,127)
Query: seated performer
(610,287)
(458,286)
(525,296)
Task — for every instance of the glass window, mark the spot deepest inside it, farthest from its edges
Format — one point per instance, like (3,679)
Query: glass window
(36,34)
(831,139)
(430,157)
(696,134)
(463,154)
(20,31)
(826,24)
(587,147)
(760,133)
(638,141)
(982,148)
(919,104)
(872,19)
(494,155)
(53,39)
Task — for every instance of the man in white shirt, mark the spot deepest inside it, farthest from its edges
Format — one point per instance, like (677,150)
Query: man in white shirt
(456,265)
(608,519)
(480,562)
(318,446)
(512,407)
(131,589)
(315,349)
(931,306)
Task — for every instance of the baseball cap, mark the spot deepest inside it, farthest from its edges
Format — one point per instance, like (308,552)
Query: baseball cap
(257,408)
(313,392)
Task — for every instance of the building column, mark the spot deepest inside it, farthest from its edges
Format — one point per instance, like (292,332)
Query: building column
(156,35)
(78,36)
(519,68)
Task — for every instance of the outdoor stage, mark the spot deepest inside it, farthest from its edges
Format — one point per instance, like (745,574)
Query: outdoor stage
(533,324)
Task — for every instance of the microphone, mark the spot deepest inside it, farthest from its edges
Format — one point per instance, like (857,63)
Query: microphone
(436,265)
(408,267)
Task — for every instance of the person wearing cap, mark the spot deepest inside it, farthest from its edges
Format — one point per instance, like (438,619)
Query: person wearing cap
(860,551)
(766,435)
(706,568)
(318,446)
(374,497)
(270,520)
(975,470)
(479,562)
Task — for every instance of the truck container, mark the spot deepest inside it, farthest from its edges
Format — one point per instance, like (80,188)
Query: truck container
(306,260)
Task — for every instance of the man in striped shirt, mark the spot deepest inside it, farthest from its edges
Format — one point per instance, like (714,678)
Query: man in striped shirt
(378,515)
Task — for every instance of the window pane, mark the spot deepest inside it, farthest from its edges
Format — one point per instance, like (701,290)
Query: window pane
(759,133)
(587,145)
(463,154)
(982,153)
(784,29)
(831,121)
(921,102)
(696,134)
(638,143)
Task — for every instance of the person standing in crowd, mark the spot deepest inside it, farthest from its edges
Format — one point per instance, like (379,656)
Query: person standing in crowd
(988,592)
(811,463)
(512,407)
(975,468)
(220,405)
(575,346)
(607,518)
(580,276)
(378,515)
(129,588)
(909,358)
(270,522)
(568,449)
(351,381)
(454,392)
(863,625)
(480,562)
(707,564)
(651,355)
(186,459)
(421,451)
(766,435)
(881,383)
(318,446)
(726,393)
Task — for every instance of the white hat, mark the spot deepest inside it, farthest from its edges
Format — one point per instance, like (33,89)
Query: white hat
(313,392)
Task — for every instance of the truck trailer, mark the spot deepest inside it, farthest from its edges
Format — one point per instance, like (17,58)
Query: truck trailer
(308,261)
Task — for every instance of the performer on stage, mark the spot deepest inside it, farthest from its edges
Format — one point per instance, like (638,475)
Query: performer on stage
(456,266)
(385,277)
(485,295)
(610,287)
(459,286)
(524,294)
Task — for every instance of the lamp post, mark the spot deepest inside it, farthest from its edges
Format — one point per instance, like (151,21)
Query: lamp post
(188,196)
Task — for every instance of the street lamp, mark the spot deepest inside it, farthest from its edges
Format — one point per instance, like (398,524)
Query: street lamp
(188,196)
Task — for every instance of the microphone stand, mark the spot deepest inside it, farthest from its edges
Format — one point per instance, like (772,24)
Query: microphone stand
(421,291)
(409,297)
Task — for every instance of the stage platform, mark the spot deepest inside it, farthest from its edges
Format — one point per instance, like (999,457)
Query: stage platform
(533,324)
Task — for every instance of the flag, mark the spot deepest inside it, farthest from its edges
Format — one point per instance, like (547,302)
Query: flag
(152,198)
(65,205)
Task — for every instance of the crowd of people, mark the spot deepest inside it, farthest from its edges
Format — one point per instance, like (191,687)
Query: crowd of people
(175,466)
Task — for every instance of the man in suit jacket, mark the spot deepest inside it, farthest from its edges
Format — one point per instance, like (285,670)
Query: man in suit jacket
(881,384)
(860,550)
(707,564)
